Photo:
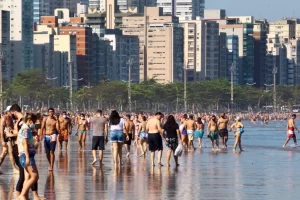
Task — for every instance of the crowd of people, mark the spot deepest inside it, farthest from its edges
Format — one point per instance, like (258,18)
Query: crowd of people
(22,133)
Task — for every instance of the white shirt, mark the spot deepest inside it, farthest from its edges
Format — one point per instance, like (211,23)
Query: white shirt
(119,126)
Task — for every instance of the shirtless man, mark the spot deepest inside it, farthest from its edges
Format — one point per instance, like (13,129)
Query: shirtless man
(130,129)
(65,125)
(190,127)
(82,125)
(7,143)
(50,127)
(213,132)
(291,127)
(223,122)
(154,130)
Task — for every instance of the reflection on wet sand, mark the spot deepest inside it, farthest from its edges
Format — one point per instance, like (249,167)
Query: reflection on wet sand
(262,171)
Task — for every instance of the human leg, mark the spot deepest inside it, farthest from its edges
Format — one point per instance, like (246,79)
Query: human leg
(169,151)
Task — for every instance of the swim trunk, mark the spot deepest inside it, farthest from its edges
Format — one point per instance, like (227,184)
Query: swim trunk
(63,136)
(190,134)
(98,143)
(117,136)
(184,132)
(199,133)
(50,143)
(291,134)
(223,133)
(22,159)
(172,143)
(83,132)
(143,135)
(155,142)
(129,141)
(214,135)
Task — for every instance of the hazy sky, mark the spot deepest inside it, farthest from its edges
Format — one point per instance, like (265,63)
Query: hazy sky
(269,9)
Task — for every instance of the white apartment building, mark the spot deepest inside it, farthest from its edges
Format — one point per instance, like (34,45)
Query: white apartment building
(21,37)
(5,44)
(201,49)
(161,44)
(184,9)
(293,58)
(285,29)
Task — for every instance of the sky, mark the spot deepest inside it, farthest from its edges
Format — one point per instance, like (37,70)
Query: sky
(268,9)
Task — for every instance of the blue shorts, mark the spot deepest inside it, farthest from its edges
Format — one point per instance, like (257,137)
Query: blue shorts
(22,159)
(49,145)
(143,135)
(117,136)
(199,133)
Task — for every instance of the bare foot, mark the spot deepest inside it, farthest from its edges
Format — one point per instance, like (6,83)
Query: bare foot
(1,172)
(128,155)
(79,149)
(50,169)
(94,161)
(143,154)
(38,198)
(21,197)
(212,149)
(234,150)
(160,164)
(283,146)
(218,149)
(177,165)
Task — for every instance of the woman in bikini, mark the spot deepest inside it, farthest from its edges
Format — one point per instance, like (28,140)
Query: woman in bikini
(239,130)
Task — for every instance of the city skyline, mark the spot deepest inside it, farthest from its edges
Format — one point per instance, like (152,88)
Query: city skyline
(247,8)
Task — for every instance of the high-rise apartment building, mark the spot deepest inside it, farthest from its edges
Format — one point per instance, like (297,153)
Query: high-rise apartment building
(246,49)
(293,58)
(184,9)
(260,30)
(40,8)
(161,44)
(5,44)
(83,49)
(276,58)
(223,53)
(125,52)
(285,29)
(233,59)
(201,49)
(21,37)
(66,45)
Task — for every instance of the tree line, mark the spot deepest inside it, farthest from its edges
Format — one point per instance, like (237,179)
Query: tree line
(33,89)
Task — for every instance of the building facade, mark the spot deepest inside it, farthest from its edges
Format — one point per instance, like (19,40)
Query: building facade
(161,44)
(5,45)
(21,36)
(184,9)
(246,49)
(260,30)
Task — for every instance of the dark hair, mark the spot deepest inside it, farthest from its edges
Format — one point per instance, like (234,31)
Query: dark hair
(170,121)
(128,115)
(15,108)
(30,116)
(51,109)
(199,120)
(159,113)
(294,115)
(99,112)
(39,116)
(82,114)
(144,118)
(191,116)
(114,118)
(65,112)
(184,116)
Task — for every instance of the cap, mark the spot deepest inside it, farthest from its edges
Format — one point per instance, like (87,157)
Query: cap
(7,108)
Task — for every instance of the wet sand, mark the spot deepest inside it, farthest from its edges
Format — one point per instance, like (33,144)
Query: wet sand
(264,170)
